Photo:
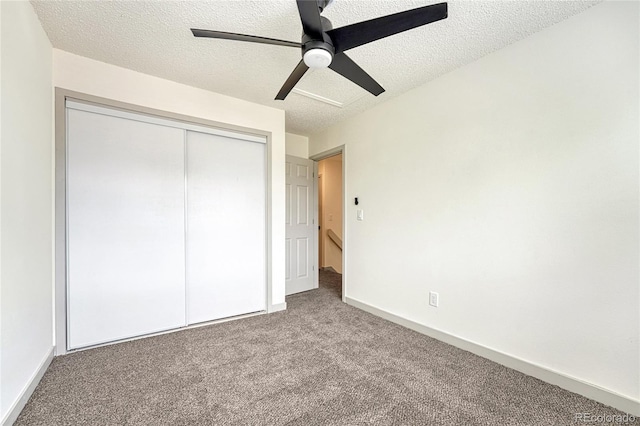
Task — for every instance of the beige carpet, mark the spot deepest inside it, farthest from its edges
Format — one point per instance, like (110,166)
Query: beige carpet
(319,363)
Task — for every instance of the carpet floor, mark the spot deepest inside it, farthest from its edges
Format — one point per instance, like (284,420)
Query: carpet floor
(320,362)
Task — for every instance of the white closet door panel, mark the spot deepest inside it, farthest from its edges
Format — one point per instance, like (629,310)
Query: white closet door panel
(226,186)
(125,189)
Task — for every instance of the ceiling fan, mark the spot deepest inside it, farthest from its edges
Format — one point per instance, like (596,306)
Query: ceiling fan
(324,46)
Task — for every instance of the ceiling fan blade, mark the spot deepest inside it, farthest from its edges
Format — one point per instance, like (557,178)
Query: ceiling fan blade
(310,17)
(350,36)
(293,79)
(345,66)
(243,37)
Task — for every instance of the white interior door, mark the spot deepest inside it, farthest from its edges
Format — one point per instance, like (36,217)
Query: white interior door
(226,246)
(125,212)
(300,226)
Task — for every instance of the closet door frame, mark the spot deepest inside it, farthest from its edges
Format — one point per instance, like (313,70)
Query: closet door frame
(60,225)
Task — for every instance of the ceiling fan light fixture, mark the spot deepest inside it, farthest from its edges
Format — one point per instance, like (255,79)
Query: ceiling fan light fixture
(317,58)
(324,46)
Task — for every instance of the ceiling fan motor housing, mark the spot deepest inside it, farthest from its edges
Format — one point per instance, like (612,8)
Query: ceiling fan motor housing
(318,53)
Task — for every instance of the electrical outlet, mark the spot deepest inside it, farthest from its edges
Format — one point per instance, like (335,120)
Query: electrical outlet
(433,299)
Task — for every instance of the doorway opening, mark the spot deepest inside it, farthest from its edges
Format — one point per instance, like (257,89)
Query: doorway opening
(330,218)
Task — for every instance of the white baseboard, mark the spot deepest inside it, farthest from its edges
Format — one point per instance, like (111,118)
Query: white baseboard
(572,384)
(277,307)
(14,411)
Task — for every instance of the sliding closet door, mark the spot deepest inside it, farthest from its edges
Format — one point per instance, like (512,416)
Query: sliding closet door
(226,185)
(125,194)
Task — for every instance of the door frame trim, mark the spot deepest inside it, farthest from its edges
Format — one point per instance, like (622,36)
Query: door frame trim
(60,197)
(316,222)
(341,149)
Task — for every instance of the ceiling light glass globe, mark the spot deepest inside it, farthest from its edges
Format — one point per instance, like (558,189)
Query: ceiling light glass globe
(317,58)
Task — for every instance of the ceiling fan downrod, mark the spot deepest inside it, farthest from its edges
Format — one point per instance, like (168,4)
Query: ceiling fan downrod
(323,4)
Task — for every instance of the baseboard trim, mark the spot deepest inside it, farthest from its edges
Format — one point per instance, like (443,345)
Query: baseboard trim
(564,381)
(14,411)
(277,307)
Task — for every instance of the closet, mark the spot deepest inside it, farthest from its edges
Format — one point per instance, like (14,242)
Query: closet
(165,224)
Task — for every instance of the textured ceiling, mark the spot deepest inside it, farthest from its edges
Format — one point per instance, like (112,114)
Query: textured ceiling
(153,37)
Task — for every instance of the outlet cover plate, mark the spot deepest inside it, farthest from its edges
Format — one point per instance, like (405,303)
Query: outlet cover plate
(434,298)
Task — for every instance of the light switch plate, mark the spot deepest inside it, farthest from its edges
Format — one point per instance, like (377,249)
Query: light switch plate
(360,214)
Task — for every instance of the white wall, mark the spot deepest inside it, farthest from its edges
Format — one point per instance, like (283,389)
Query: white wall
(26,201)
(331,171)
(108,81)
(510,186)
(297,145)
